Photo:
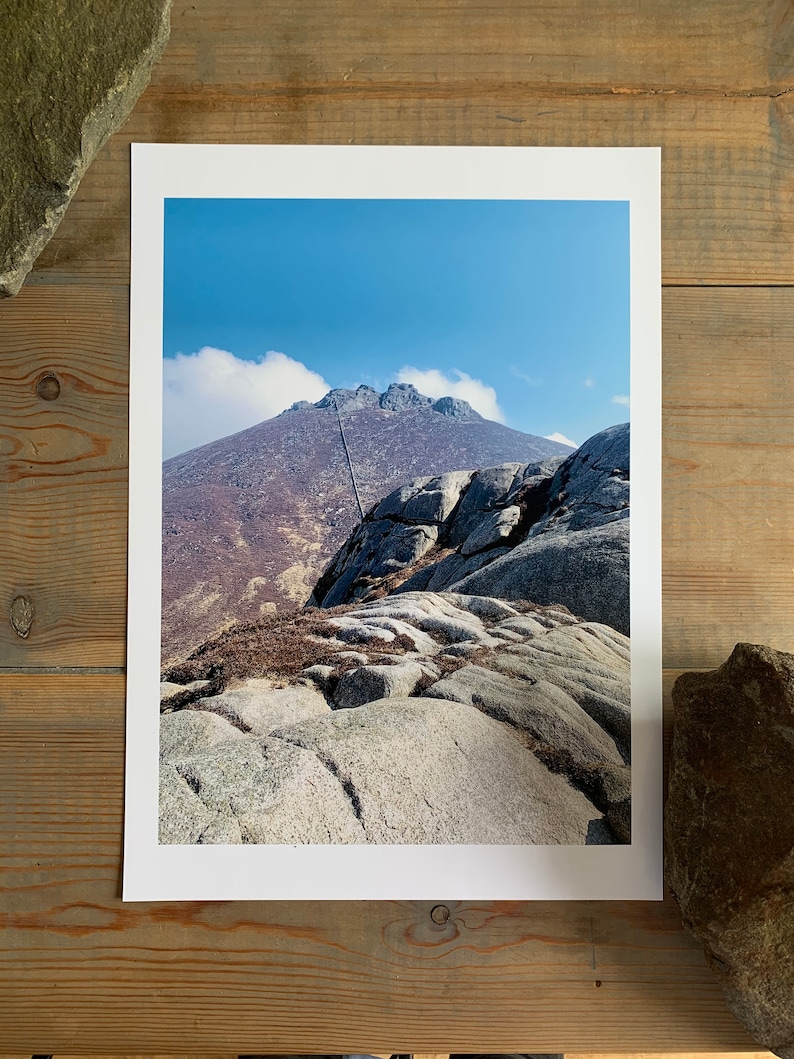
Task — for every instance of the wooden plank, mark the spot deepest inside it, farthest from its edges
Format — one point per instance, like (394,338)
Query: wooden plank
(729,454)
(727,214)
(736,46)
(672,1055)
(444,1055)
(728,505)
(709,82)
(64,475)
(82,972)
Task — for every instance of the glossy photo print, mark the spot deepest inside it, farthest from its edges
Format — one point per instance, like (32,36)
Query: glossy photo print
(394,538)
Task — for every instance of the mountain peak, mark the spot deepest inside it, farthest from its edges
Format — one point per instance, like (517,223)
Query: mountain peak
(399,397)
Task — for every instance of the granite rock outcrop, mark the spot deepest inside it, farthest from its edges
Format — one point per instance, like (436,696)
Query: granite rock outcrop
(422,718)
(553,531)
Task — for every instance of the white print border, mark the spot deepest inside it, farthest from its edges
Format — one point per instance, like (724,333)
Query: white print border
(339,872)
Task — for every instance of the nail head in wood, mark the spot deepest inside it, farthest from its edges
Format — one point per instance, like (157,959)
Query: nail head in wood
(21,615)
(440,914)
(48,387)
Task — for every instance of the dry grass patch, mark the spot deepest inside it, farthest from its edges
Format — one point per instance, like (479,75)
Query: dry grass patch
(277,645)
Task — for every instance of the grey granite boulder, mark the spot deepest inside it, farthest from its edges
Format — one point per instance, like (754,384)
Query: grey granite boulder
(592,485)
(394,503)
(66,83)
(429,613)
(587,662)
(455,407)
(402,395)
(274,791)
(577,552)
(368,683)
(482,606)
(183,816)
(549,532)
(449,570)
(729,828)
(321,675)
(492,530)
(171,691)
(438,499)
(430,771)
(191,731)
(380,625)
(488,488)
(540,708)
(257,706)
(349,400)
(587,572)
(610,789)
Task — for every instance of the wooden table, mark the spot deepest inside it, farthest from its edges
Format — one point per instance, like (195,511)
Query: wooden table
(709,80)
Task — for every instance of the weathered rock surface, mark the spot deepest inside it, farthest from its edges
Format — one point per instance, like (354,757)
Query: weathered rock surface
(456,718)
(69,76)
(369,683)
(272,790)
(425,771)
(257,706)
(397,398)
(551,532)
(188,732)
(172,693)
(729,826)
(541,708)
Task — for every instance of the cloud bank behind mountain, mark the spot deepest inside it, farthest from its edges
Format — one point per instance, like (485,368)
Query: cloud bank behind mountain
(212,393)
(434,383)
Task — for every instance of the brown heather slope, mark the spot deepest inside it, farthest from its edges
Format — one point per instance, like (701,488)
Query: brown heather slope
(250,521)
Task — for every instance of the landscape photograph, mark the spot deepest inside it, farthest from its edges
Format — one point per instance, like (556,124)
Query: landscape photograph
(395,595)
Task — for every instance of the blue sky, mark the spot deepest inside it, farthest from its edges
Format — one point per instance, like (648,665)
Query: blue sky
(527,300)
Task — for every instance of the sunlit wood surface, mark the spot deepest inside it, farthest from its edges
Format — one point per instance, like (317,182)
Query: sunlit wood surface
(709,80)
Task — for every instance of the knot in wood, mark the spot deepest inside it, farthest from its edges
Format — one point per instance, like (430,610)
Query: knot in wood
(48,387)
(21,616)
(440,914)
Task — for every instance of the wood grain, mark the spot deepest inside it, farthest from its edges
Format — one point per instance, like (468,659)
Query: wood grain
(674,1055)
(64,474)
(727,214)
(79,971)
(728,507)
(735,46)
(709,82)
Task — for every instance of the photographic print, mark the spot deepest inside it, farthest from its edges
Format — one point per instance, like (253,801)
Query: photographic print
(394,539)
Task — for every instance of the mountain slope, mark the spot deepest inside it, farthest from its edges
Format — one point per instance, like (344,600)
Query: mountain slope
(250,521)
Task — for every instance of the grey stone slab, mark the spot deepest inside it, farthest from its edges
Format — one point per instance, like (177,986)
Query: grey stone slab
(70,73)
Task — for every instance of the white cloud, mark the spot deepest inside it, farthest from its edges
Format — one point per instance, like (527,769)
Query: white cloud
(211,394)
(434,383)
(621,398)
(589,382)
(562,440)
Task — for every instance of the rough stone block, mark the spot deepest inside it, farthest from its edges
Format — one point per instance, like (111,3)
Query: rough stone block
(70,73)
(729,826)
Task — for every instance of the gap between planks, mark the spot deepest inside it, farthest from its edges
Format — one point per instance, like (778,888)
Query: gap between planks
(51,671)
(444,1055)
